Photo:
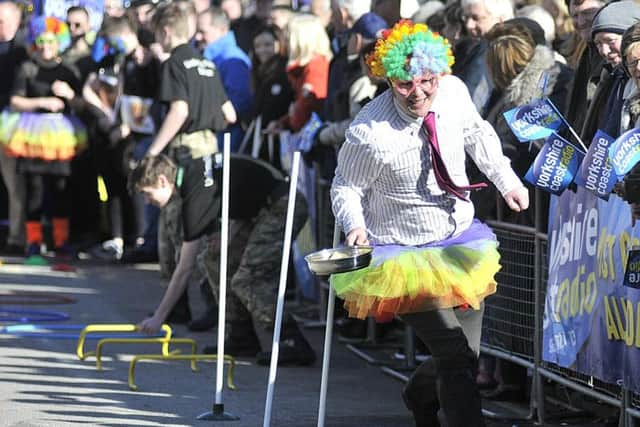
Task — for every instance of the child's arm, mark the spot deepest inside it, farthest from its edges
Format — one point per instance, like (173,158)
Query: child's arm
(177,115)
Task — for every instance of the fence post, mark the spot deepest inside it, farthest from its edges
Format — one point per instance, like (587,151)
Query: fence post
(538,399)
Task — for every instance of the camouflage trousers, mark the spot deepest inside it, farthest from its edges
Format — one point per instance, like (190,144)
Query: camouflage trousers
(255,255)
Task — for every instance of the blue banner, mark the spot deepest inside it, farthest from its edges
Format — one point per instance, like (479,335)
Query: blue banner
(596,172)
(592,321)
(555,165)
(534,121)
(58,8)
(624,153)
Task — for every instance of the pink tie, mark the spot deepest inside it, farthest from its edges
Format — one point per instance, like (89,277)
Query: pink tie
(439,169)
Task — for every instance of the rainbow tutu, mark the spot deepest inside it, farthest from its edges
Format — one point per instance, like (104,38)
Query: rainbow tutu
(46,136)
(409,279)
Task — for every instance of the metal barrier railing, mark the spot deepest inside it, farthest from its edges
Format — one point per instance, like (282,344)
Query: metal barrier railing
(513,324)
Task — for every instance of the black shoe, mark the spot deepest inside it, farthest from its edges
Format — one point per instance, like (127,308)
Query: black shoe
(293,352)
(205,322)
(236,348)
(351,329)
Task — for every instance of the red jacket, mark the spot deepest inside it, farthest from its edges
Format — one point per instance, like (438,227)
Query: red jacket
(309,83)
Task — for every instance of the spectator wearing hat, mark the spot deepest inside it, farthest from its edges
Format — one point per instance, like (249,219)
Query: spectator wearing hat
(606,34)
(360,88)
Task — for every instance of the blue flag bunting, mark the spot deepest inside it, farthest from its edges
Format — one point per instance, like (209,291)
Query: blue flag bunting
(596,173)
(624,153)
(555,165)
(533,121)
(303,141)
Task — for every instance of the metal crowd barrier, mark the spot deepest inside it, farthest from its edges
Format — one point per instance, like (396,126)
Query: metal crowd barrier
(512,328)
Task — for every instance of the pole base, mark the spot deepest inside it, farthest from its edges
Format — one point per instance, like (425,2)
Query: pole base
(218,414)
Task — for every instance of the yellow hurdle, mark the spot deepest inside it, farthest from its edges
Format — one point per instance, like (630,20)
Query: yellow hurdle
(116,327)
(191,357)
(165,343)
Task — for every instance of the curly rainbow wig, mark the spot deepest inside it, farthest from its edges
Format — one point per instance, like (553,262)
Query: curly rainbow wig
(408,50)
(49,24)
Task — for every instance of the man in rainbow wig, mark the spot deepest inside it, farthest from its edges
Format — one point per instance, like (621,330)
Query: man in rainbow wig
(401,186)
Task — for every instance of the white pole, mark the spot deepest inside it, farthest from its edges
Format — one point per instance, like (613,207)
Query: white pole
(284,266)
(224,246)
(328,337)
(257,139)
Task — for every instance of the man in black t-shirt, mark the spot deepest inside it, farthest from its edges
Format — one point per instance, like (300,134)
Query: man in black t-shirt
(192,189)
(258,204)
(192,88)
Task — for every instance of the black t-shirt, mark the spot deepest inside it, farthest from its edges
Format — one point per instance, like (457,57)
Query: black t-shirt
(187,76)
(253,184)
(200,194)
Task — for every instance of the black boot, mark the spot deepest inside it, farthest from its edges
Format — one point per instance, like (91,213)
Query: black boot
(241,341)
(295,350)
(180,313)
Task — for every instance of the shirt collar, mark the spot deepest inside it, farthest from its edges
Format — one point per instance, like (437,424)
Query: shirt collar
(410,119)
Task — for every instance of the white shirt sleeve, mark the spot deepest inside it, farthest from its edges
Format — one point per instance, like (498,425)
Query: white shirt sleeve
(359,164)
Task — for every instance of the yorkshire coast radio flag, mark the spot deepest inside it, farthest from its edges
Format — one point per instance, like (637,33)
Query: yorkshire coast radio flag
(624,153)
(555,165)
(596,173)
(533,121)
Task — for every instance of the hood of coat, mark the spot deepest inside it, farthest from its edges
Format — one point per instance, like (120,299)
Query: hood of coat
(526,86)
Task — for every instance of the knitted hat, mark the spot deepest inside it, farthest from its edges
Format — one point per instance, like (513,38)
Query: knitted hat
(369,25)
(616,17)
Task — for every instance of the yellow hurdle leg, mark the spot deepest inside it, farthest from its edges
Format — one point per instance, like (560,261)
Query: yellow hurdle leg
(165,346)
(191,357)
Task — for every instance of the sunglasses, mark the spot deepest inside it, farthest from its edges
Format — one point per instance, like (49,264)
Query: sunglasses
(74,24)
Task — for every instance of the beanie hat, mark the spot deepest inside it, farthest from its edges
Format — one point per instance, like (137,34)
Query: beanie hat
(615,17)
(369,25)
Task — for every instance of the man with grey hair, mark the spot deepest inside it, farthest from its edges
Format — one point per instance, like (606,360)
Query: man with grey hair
(12,54)
(243,27)
(219,45)
(479,17)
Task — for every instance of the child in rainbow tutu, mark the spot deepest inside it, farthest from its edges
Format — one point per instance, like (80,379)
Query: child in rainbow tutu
(39,130)
(401,186)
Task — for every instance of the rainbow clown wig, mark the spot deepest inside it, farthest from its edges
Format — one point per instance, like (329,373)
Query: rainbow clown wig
(408,50)
(40,25)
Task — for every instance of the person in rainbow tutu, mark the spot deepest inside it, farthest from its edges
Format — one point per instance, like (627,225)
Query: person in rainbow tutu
(39,130)
(401,186)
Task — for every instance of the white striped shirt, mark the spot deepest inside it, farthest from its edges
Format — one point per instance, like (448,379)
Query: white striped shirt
(384,181)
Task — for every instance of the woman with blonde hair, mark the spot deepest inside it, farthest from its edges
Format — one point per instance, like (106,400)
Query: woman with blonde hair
(307,70)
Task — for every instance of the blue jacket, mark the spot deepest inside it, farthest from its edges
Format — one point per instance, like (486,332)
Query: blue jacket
(235,70)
